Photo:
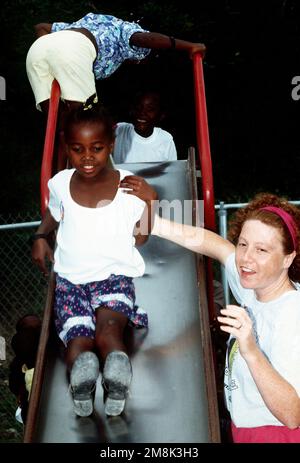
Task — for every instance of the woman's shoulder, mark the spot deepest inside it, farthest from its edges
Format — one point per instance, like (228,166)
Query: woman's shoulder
(287,306)
(240,294)
(231,270)
(285,313)
(293,297)
(230,261)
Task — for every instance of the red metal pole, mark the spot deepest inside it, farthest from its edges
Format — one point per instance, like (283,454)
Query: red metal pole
(206,166)
(46,169)
(203,144)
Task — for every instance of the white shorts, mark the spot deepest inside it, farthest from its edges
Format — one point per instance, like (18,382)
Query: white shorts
(66,56)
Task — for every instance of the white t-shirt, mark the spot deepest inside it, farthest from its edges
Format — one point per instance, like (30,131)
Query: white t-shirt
(131,147)
(93,243)
(276,325)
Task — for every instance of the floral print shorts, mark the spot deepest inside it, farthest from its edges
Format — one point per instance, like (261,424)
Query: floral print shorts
(75,305)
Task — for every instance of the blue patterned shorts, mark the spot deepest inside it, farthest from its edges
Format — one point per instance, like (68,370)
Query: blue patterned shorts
(75,305)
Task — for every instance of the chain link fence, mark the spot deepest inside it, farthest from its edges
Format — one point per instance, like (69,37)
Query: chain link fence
(22,291)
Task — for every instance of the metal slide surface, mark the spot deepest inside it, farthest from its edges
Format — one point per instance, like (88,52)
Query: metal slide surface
(168,395)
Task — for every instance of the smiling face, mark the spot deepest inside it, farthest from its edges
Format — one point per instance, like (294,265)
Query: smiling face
(88,148)
(261,262)
(147,114)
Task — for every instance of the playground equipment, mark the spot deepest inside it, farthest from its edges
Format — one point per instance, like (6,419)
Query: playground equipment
(173,393)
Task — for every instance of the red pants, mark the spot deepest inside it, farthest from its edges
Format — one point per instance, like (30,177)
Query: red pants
(265,434)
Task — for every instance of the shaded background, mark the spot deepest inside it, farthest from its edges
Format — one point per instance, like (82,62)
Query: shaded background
(253,54)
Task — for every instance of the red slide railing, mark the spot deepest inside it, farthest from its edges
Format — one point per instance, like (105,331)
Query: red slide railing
(206,166)
(47,162)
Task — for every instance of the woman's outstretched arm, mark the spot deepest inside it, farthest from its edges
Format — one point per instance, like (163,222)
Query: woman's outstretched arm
(194,238)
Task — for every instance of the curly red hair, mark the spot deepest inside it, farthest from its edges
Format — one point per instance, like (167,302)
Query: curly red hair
(253,211)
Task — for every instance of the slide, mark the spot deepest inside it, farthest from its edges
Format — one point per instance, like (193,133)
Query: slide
(173,395)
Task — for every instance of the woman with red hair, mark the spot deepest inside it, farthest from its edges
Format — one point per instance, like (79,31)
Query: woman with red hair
(262,262)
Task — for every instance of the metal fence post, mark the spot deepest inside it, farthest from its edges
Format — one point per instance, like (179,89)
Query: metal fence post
(223,232)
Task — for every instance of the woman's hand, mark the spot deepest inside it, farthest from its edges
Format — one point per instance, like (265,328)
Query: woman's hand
(39,252)
(137,186)
(237,322)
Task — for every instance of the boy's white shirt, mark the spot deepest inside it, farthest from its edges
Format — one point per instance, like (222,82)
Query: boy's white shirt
(132,147)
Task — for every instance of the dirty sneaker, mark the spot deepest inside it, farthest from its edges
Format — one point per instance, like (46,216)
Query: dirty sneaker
(83,379)
(117,376)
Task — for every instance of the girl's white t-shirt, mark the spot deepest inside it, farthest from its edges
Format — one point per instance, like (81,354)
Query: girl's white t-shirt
(276,327)
(93,243)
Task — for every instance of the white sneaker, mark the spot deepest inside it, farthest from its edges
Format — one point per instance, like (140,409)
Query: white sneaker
(84,374)
(117,375)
